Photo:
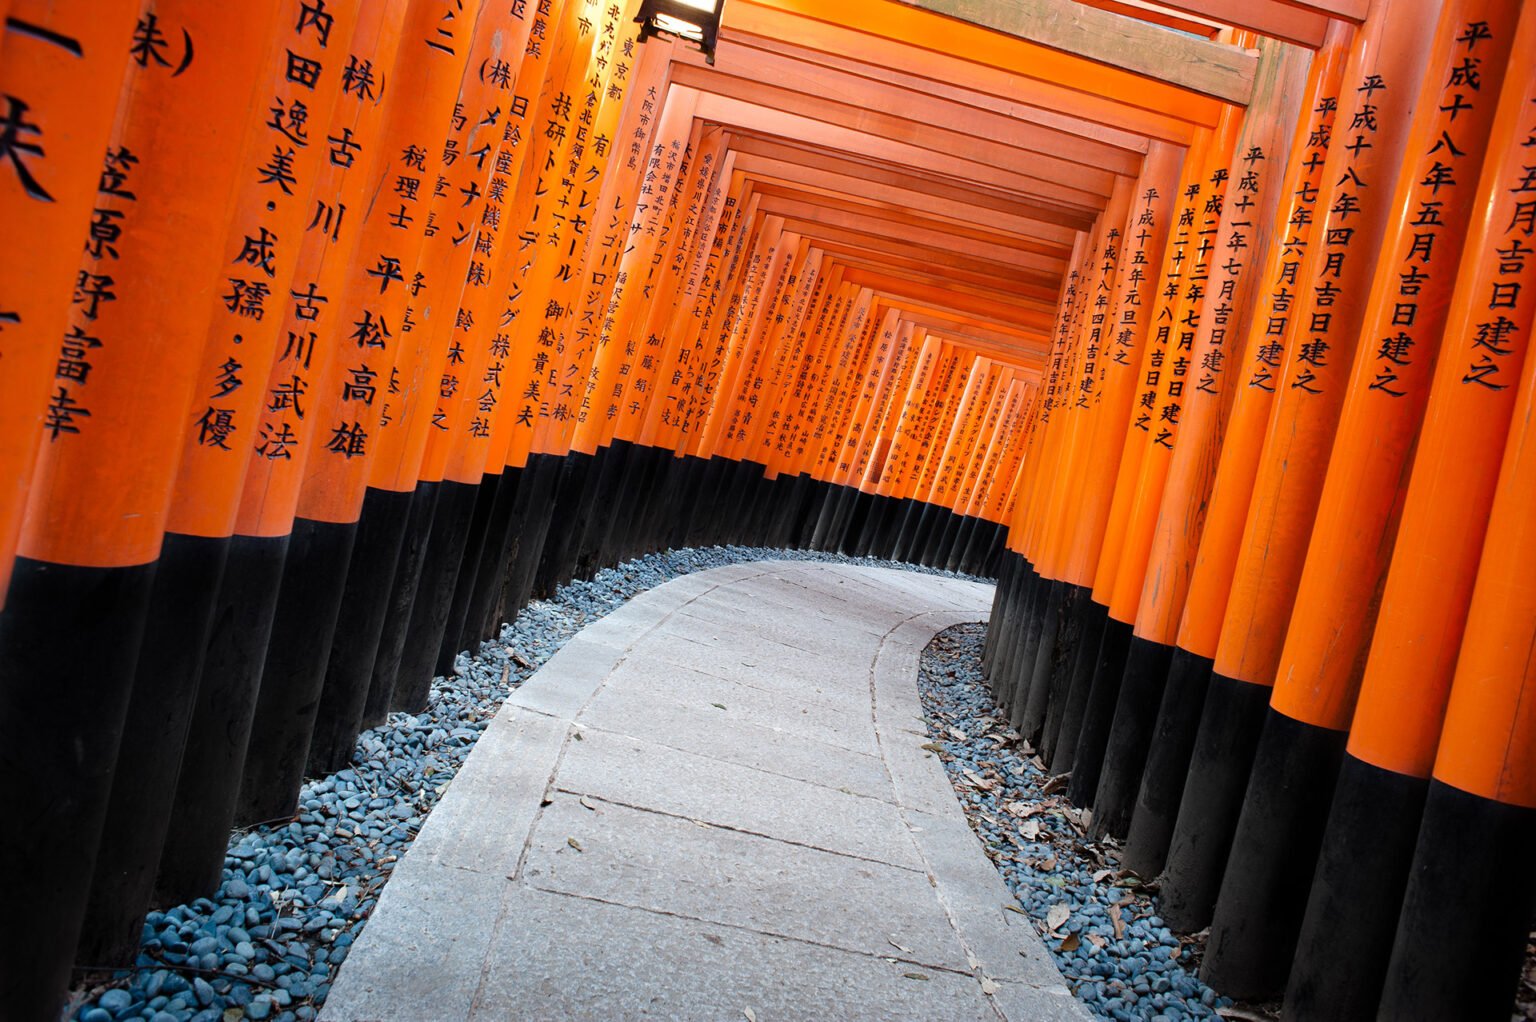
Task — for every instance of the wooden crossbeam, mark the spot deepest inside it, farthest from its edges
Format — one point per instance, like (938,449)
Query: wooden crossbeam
(1275,18)
(1198,65)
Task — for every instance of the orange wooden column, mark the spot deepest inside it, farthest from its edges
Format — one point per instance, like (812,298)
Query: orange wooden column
(58,66)
(1193,868)
(1195,402)
(259,251)
(1407,673)
(1383,398)
(1354,207)
(101,488)
(1480,815)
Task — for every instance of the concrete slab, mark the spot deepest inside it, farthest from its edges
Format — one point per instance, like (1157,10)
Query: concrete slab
(714,799)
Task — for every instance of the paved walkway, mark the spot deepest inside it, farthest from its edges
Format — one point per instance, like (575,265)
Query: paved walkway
(712,804)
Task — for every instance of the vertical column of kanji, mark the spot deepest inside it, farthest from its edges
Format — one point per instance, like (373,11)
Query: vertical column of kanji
(1375,112)
(675,420)
(871,510)
(430,368)
(1203,169)
(939,471)
(1107,388)
(541,351)
(1021,635)
(655,336)
(986,449)
(281,161)
(1167,516)
(611,364)
(438,191)
(452,358)
(1258,914)
(366,313)
(895,434)
(1269,194)
(561,275)
(487,97)
(1397,720)
(833,410)
(892,472)
(782,495)
(942,400)
(818,400)
(853,454)
(745,503)
(951,489)
(731,481)
(1199,710)
(676,351)
(354,368)
(1466,914)
(1077,620)
(102,486)
(59,67)
(982,556)
(504,302)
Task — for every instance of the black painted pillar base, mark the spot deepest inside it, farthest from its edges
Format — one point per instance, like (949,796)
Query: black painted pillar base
(1075,610)
(1162,781)
(1130,736)
(149,759)
(1043,672)
(402,601)
(434,594)
(453,640)
(1094,617)
(1274,855)
(1099,712)
(1467,914)
(1019,669)
(1230,724)
(203,809)
(1357,893)
(314,577)
(69,641)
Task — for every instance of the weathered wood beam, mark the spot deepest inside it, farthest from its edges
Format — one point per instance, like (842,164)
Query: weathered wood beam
(1199,65)
(1273,18)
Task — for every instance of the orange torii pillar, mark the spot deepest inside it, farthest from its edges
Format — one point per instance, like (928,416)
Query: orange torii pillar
(102,487)
(1232,424)
(423,82)
(1175,484)
(1466,916)
(261,244)
(1353,208)
(1363,868)
(1264,892)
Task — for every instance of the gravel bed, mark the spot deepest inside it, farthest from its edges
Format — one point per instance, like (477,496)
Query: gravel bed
(1099,922)
(296,895)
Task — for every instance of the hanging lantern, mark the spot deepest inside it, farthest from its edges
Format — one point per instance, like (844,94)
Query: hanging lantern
(696,21)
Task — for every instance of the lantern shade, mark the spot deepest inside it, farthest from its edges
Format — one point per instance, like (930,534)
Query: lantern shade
(696,21)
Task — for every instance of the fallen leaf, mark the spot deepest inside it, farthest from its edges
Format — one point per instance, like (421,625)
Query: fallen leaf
(586,803)
(1058,915)
(574,844)
(1174,952)
(1072,943)
(915,975)
(578,736)
(1098,941)
(1056,783)
(1103,875)
(1243,1015)
(1049,864)
(1015,908)
(718,706)
(932,747)
(898,947)
(972,961)
(988,987)
(517,658)
(751,1015)
(1030,829)
(1117,922)
(957,734)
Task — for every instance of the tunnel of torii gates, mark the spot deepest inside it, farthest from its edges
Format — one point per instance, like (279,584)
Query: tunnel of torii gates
(334,331)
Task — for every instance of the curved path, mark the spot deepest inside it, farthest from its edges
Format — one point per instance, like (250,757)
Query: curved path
(712,804)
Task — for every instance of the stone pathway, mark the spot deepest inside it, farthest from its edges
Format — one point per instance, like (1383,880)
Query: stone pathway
(712,804)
